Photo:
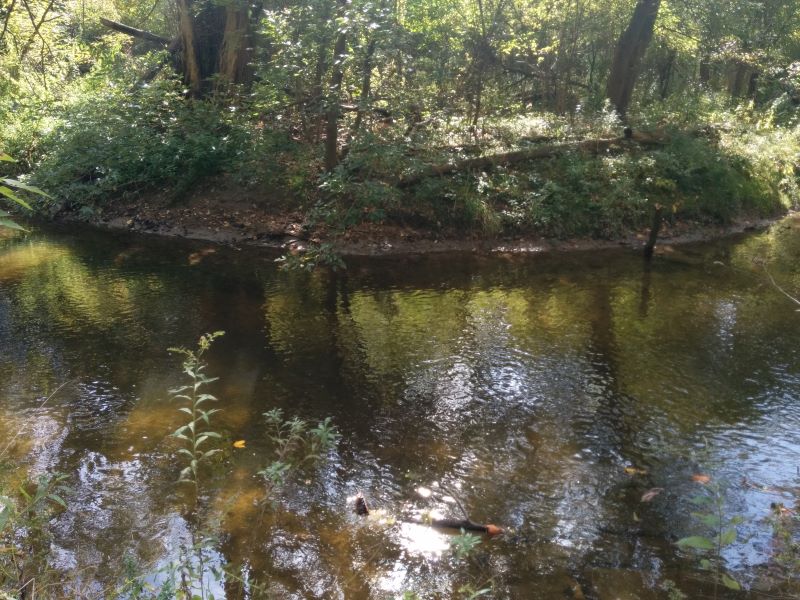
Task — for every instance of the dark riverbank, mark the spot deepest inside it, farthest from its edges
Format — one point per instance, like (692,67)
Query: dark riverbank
(244,222)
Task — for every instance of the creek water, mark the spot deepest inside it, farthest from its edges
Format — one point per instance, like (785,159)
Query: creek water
(544,393)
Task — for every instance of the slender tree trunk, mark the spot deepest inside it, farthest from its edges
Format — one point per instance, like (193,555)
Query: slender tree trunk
(7,19)
(334,100)
(366,86)
(191,69)
(36,27)
(233,56)
(628,55)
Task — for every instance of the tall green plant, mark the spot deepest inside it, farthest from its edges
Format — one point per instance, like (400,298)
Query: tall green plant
(295,443)
(8,189)
(709,548)
(196,432)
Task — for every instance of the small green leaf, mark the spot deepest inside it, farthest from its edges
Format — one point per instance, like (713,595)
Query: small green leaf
(730,582)
(700,500)
(711,521)
(6,157)
(705,564)
(728,537)
(696,541)
(58,500)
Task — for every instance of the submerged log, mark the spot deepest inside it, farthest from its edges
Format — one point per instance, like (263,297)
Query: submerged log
(362,510)
(549,151)
(463,524)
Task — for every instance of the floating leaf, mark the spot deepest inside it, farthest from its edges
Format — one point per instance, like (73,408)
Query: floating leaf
(651,493)
(700,478)
(697,542)
(239,444)
(630,470)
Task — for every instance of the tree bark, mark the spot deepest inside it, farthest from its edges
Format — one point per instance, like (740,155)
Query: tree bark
(134,32)
(236,48)
(191,69)
(628,55)
(334,103)
(216,45)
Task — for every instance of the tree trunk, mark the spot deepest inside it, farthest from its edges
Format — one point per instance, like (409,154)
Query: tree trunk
(236,47)
(334,108)
(366,86)
(191,70)
(216,45)
(628,55)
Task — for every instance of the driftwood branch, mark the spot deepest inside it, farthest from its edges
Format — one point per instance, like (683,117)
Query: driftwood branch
(551,150)
(133,32)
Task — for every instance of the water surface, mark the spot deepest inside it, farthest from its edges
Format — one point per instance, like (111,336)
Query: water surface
(545,394)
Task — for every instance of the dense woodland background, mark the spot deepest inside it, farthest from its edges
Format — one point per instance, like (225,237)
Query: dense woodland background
(467,114)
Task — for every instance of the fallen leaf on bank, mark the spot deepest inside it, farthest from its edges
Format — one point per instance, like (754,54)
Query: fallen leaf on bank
(651,493)
(700,478)
(635,471)
(239,444)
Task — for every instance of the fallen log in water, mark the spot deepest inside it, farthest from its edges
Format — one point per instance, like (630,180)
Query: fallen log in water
(489,529)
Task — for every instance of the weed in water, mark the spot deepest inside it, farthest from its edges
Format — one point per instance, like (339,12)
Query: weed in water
(711,514)
(195,433)
(464,543)
(295,444)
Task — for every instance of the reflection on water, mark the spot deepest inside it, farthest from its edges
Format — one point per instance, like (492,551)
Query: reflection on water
(519,388)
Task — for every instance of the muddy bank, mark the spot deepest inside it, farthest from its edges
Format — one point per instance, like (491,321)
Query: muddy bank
(243,222)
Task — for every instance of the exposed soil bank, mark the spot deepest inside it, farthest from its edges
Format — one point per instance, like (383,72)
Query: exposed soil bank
(226,219)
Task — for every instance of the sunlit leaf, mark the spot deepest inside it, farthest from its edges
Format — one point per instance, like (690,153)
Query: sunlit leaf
(8,223)
(5,157)
(730,583)
(635,471)
(9,193)
(28,188)
(697,542)
(239,444)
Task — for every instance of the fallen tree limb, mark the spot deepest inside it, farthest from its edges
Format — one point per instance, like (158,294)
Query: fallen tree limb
(133,32)
(539,152)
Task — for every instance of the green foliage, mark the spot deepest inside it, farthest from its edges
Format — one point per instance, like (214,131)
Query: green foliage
(195,434)
(464,544)
(712,515)
(312,257)
(24,513)
(295,443)
(8,190)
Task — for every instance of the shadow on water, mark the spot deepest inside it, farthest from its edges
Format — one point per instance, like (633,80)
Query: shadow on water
(547,394)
